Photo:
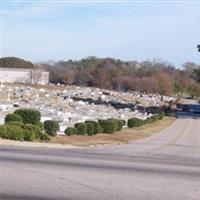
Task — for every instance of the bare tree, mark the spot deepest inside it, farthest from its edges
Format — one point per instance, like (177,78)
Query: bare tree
(36,76)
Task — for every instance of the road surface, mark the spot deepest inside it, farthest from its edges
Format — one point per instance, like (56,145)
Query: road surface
(164,166)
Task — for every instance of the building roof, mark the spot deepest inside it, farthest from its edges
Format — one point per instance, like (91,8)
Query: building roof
(20,69)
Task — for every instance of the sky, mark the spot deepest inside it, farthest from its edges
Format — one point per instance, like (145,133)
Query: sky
(128,30)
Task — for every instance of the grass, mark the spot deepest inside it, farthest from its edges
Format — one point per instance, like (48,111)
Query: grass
(121,137)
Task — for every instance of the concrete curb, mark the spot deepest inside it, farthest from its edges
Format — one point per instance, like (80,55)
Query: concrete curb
(36,144)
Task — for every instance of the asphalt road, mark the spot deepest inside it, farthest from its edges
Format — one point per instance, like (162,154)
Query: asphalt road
(164,166)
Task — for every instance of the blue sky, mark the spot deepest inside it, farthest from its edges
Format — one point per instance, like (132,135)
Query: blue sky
(54,30)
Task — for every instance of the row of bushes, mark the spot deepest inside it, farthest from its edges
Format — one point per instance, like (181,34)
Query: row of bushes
(20,131)
(108,126)
(135,122)
(93,127)
(24,124)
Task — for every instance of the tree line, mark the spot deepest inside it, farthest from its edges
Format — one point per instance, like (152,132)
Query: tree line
(154,76)
(147,76)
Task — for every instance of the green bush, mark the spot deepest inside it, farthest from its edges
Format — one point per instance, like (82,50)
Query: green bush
(13,117)
(16,123)
(124,122)
(155,117)
(15,132)
(120,124)
(70,131)
(115,123)
(45,137)
(97,127)
(29,136)
(135,122)
(39,124)
(29,116)
(3,131)
(81,128)
(51,127)
(33,129)
(108,126)
(161,115)
(149,120)
(90,128)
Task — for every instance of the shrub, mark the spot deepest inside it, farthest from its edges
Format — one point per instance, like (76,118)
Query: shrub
(97,127)
(13,117)
(51,127)
(16,123)
(81,128)
(70,131)
(120,124)
(33,130)
(124,122)
(39,124)
(29,136)
(149,120)
(135,122)
(115,123)
(29,115)
(155,117)
(3,131)
(90,128)
(15,132)
(108,126)
(45,137)
(161,115)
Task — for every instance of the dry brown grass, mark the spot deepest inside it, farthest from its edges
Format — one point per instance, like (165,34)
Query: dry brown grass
(124,136)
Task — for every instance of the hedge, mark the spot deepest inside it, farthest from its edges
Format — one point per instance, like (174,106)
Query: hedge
(90,128)
(29,136)
(135,122)
(13,117)
(3,131)
(51,127)
(97,127)
(29,116)
(118,124)
(81,128)
(108,126)
(45,137)
(115,123)
(24,124)
(70,131)
(15,132)
(161,115)
(33,129)
(16,123)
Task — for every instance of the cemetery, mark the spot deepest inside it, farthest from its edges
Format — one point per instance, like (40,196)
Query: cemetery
(72,104)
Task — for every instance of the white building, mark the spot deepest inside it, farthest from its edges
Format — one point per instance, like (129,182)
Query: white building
(27,76)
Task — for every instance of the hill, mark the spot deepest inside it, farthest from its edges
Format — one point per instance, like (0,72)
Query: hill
(13,62)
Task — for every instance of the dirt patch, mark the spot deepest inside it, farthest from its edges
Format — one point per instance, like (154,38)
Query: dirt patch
(124,136)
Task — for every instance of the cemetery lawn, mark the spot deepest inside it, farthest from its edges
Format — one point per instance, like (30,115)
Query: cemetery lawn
(121,137)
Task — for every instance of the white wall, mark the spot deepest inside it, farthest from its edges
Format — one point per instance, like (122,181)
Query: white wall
(9,75)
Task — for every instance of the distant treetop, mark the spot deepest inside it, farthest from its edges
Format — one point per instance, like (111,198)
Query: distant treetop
(13,62)
(198,47)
